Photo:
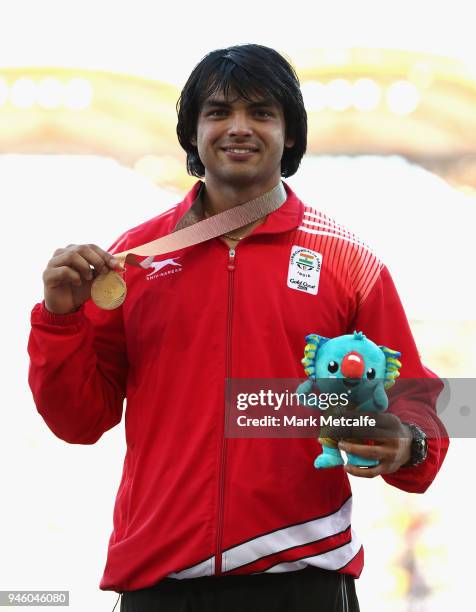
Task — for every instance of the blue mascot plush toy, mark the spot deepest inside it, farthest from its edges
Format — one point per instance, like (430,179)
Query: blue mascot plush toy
(350,364)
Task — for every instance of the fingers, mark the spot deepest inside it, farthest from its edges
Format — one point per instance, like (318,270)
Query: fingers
(364,472)
(77,263)
(377,426)
(354,432)
(363,450)
(386,455)
(63,274)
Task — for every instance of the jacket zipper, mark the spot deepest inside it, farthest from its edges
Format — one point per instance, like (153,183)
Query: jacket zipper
(221,483)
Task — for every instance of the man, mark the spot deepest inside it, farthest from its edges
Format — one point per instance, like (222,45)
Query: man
(202,521)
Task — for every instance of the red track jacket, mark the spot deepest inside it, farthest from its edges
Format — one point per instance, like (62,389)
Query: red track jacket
(191,501)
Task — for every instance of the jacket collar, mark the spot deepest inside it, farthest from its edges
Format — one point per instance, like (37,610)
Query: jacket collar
(288,216)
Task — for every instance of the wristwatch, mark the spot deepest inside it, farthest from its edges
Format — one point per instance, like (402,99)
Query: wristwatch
(419,446)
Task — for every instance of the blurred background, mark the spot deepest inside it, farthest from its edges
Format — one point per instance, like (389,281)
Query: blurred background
(88,149)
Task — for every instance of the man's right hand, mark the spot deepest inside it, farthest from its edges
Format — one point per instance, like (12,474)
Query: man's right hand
(69,275)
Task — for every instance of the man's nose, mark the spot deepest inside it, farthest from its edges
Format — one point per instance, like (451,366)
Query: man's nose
(239,125)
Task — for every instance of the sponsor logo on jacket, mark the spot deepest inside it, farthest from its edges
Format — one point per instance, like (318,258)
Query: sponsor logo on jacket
(157,269)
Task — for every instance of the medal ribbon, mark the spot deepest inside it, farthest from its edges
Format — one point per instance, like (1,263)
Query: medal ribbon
(109,291)
(212,227)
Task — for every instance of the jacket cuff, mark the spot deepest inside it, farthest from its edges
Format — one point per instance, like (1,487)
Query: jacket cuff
(72,318)
(417,478)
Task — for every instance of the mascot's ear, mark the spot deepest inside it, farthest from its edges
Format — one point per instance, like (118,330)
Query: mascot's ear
(392,366)
(316,340)
(313,343)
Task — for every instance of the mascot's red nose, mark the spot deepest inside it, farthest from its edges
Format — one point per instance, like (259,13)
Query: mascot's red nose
(353,365)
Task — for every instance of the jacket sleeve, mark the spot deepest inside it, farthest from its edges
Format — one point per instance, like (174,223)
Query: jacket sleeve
(413,398)
(78,369)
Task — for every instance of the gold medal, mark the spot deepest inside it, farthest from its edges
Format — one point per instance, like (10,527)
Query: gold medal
(108,291)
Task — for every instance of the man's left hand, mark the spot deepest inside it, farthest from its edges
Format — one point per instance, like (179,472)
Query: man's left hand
(391,446)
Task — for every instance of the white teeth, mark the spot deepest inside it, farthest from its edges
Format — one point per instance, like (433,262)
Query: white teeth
(240,150)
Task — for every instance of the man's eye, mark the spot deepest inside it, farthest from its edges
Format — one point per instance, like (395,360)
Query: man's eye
(264,113)
(217,113)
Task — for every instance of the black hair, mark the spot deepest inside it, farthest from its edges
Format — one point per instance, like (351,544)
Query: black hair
(248,71)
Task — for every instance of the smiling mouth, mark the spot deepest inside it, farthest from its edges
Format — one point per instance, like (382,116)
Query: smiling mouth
(239,150)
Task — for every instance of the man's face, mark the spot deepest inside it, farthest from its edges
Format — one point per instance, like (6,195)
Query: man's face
(241,142)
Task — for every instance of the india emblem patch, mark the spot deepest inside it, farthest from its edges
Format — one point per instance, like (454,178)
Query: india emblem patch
(304,270)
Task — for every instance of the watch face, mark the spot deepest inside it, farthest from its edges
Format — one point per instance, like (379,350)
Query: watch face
(419,447)
(419,451)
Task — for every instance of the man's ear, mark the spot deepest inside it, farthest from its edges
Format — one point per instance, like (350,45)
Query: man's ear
(193,140)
